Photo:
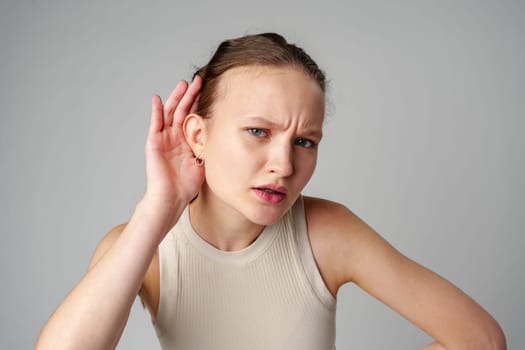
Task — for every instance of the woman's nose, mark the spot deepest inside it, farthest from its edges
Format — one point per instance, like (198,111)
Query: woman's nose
(281,161)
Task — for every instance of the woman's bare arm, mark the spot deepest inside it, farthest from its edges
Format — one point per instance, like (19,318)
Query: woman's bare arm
(94,313)
(349,250)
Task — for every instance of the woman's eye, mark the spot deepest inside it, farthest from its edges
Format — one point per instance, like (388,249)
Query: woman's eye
(305,143)
(257,132)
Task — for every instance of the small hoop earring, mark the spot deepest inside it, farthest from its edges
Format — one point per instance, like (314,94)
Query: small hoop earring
(198,161)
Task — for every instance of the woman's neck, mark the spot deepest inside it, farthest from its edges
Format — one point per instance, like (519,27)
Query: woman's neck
(221,225)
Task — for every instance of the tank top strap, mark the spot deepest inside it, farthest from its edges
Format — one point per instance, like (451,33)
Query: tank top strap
(307,257)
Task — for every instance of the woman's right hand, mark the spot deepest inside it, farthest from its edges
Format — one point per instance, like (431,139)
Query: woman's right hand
(172,175)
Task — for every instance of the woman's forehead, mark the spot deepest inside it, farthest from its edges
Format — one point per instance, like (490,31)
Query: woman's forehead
(269,86)
(278,96)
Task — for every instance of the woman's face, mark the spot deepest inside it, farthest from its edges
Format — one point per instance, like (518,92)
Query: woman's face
(261,141)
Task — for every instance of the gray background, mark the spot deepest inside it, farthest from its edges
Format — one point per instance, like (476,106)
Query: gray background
(423,139)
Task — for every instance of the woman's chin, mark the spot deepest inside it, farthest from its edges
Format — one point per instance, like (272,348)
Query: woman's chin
(266,217)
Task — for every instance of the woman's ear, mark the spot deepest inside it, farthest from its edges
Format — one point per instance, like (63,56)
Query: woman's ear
(194,128)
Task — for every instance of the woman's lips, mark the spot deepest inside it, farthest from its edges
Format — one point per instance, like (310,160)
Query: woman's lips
(271,193)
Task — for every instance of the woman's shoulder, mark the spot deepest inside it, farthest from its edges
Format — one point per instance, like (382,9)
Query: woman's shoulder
(323,208)
(329,218)
(338,238)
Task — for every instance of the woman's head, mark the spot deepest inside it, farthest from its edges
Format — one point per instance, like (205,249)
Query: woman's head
(257,126)
(266,49)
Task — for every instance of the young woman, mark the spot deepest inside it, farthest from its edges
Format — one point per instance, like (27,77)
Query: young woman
(224,251)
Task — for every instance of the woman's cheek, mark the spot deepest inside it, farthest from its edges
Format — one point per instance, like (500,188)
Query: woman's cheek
(306,166)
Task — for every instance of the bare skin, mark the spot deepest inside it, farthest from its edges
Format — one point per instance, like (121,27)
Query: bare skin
(345,248)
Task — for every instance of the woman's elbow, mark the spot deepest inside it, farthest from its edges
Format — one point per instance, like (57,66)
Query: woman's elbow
(493,337)
(498,338)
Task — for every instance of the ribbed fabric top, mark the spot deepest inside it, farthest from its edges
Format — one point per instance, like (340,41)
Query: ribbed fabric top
(269,295)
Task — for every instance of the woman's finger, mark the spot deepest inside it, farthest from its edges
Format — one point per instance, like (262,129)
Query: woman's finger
(185,104)
(195,104)
(157,119)
(173,101)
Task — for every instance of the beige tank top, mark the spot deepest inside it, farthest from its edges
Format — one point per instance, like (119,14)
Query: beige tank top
(269,295)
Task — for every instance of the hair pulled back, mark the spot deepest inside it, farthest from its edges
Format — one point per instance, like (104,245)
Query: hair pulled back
(265,49)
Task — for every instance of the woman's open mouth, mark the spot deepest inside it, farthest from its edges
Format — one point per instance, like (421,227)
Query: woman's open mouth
(271,193)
